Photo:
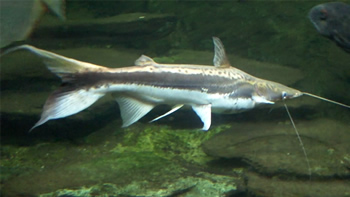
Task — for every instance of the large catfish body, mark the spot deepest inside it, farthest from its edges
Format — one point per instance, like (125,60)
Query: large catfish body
(138,89)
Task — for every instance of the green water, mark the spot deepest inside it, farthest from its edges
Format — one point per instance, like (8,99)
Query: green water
(90,154)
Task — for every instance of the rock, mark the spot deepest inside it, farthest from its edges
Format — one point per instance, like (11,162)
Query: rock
(89,168)
(202,184)
(126,26)
(274,149)
(145,160)
(274,187)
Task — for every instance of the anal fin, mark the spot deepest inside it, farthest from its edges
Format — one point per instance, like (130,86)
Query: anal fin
(175,108)
(132,109)
(204,113)
(63,103)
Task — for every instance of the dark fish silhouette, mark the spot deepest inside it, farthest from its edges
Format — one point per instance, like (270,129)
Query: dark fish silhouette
(18,18)
(332,20)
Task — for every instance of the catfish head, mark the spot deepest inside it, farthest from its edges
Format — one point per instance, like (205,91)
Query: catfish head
(269,92)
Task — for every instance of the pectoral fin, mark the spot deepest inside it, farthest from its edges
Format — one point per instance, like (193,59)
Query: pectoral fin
(132,109)
(261,100)
(204,113)
(176,107)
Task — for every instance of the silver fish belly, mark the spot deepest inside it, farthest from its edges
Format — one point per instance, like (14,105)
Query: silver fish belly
(138,89)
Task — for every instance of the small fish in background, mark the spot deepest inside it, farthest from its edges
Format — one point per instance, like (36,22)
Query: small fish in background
(332,20)
(18,18)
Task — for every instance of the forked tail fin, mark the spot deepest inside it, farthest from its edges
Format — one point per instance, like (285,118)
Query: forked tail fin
(72,97)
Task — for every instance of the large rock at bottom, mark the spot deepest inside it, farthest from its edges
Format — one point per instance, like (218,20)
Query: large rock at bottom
(202,184)
(274,149)
(274,187)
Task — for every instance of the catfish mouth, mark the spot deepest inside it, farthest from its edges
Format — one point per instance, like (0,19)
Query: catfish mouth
(296,94)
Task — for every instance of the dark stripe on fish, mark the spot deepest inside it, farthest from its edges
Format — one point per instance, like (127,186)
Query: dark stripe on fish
(196,82)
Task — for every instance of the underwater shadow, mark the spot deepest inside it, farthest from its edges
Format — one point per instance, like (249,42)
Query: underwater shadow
(15,127)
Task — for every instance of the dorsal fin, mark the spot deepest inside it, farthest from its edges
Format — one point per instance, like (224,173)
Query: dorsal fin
(144,61)
(220,59)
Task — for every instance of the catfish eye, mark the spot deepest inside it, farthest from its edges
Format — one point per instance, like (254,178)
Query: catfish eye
(323,14)
(284,95)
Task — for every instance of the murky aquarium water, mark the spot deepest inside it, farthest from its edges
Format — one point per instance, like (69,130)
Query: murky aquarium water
(175,98)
